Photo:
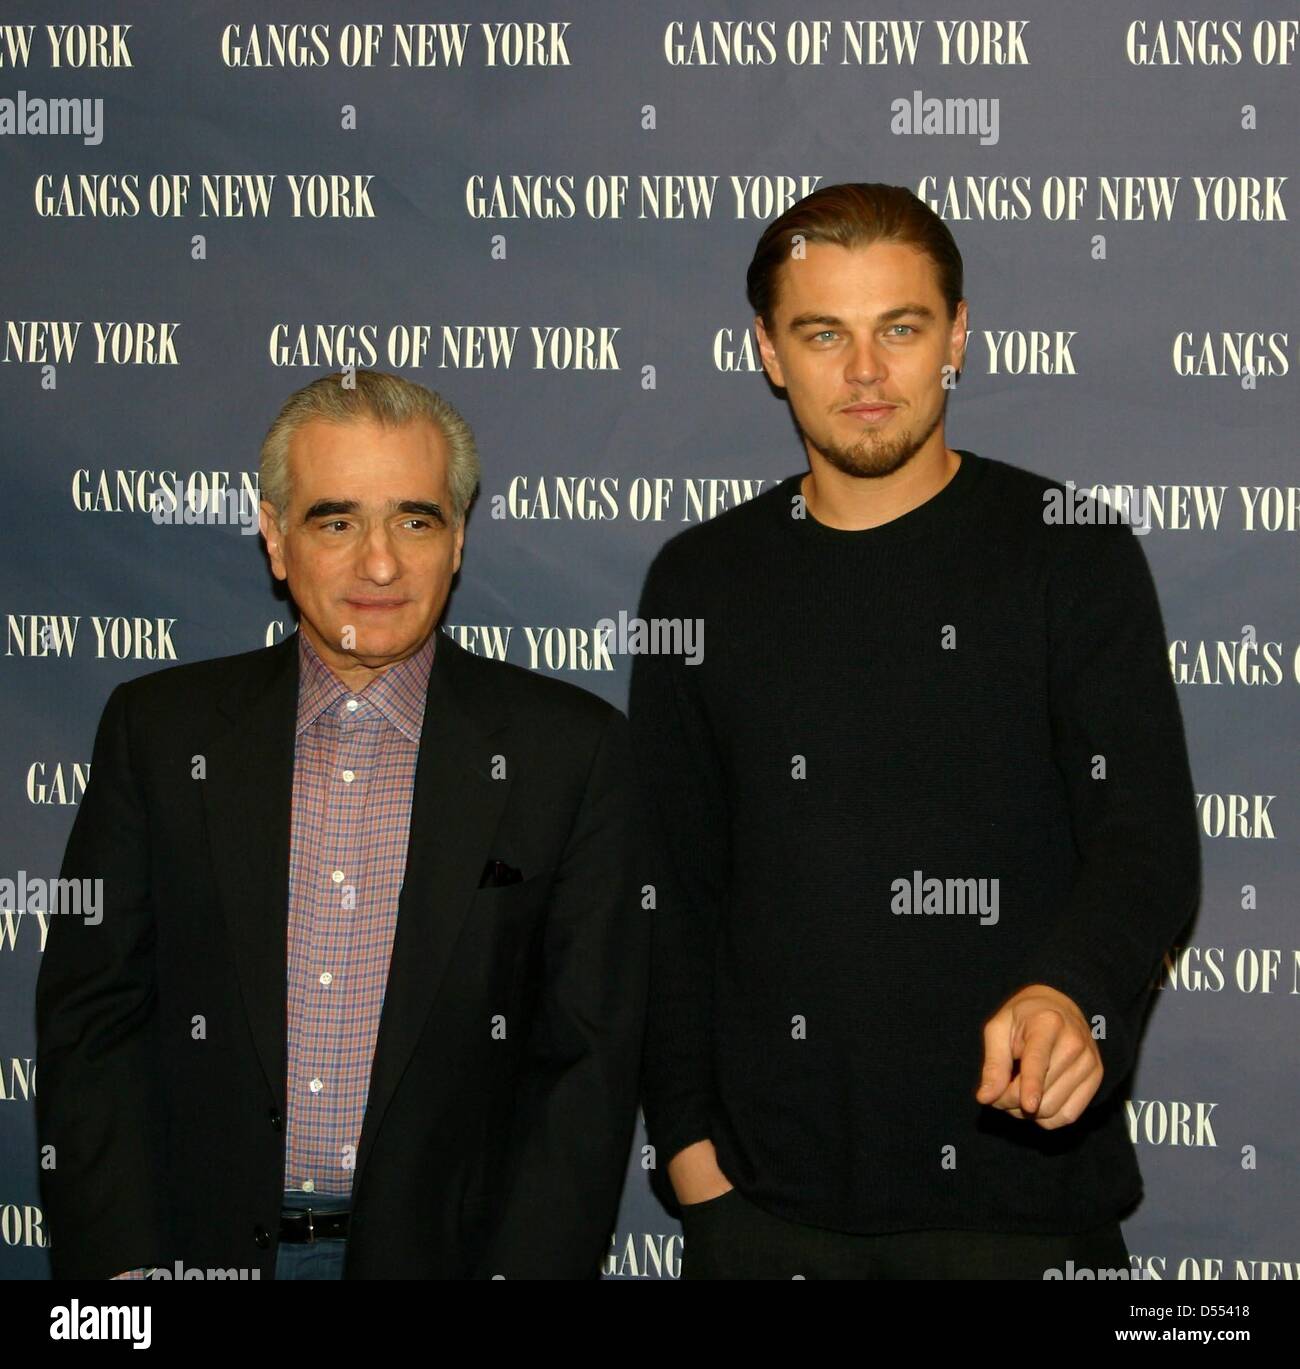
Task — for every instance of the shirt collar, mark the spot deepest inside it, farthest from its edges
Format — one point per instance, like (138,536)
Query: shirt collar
(398,694)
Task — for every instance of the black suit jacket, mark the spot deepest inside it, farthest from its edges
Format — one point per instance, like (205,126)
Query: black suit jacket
(161,1032)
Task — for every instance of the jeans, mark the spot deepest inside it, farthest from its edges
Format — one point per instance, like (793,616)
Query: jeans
(729,1237)
(321,1259)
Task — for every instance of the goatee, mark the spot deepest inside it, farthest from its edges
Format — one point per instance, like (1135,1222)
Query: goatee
(872,457)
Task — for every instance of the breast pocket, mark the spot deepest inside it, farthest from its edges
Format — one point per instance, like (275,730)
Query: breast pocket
(507,900)
(503,934)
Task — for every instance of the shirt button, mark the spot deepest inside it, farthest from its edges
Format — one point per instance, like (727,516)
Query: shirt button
(353,705)
(315,1086)
(349,776)
(308,1186)
(327,978)
(337,876)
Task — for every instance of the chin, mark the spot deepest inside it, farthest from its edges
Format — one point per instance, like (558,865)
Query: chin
(385,643)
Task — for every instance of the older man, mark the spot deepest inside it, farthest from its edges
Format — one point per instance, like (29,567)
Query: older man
(366,999)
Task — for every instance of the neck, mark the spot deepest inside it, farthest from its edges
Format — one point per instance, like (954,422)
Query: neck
(356,673)
(853,503)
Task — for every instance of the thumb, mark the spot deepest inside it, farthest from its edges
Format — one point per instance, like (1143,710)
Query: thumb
(998,1062)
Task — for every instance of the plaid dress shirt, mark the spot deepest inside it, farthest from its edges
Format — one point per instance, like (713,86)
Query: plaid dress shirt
(353,779)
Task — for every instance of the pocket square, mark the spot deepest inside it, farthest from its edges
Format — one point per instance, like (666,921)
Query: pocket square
(496,874)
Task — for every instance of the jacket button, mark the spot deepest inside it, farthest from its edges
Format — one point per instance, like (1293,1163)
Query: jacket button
(275,1119)
(261,1237)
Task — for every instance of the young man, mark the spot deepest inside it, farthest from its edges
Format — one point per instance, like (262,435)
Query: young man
(924,814)
(367,995)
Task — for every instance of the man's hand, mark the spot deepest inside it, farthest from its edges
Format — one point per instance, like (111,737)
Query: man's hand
(695,1174)
(1060,1065)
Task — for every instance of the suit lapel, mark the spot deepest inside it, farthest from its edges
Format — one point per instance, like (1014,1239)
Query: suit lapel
(455,809)
(248,797)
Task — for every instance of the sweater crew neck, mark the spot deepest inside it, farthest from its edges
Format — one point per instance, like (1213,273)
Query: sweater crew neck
(935,515)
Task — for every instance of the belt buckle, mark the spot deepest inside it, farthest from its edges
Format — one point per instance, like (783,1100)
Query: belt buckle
(311,1229)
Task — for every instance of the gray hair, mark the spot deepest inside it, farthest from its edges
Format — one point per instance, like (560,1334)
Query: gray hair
(388,399)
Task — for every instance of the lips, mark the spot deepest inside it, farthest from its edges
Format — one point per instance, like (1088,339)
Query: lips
(871,415)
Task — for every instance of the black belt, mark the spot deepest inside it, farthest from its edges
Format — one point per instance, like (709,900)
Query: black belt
(305,1226)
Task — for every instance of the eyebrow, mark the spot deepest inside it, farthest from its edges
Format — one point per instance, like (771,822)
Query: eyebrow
(831,321)
(336,508)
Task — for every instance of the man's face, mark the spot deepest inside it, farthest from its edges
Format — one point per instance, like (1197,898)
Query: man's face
(368,547)
(861,326)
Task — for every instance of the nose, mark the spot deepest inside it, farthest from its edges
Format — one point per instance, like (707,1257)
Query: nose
(377,560)
(864,364)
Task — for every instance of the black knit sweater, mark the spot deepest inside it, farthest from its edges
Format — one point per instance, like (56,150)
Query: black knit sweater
(969,692)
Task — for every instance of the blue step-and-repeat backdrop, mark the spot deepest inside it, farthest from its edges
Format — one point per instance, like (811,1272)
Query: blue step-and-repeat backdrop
(545,212)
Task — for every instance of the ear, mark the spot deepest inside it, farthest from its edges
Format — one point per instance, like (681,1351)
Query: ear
(957,338)
(459,545)
(271,534)
(767,354)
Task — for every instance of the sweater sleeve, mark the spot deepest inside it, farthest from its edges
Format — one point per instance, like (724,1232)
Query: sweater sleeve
(1113,705)
(679,771)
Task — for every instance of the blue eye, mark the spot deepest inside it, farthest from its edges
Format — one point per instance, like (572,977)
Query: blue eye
(908,326)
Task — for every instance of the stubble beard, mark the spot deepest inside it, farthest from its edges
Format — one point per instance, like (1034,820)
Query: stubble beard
(875,455)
